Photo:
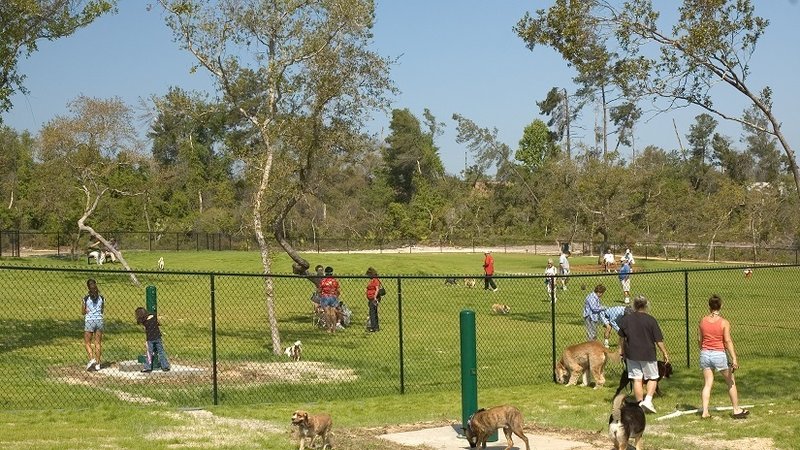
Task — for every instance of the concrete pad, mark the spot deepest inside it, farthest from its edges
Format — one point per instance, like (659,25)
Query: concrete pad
(448,438)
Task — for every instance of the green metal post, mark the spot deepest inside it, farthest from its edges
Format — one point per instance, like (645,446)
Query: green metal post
(469,368)
(150,299)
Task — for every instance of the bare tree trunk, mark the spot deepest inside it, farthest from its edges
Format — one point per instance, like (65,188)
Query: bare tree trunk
(266,259)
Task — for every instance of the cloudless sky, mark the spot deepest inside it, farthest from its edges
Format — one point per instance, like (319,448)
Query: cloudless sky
(455,56)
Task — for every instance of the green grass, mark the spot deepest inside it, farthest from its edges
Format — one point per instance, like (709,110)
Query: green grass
(40,328)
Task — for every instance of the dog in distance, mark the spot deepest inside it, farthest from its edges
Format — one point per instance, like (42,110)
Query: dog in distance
(664,371)
(748,272)
(294,351)
(581,359)
(469,282)
(626,422)
(450,282)
(161,263)
(312,426)
(501,309)
(484,422)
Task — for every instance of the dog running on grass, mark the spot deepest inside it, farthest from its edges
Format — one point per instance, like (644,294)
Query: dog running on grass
(469,282)
(664,371)
(294,351)
(484,422)
(627,422)
(501,309)
(312,426)
(580,359)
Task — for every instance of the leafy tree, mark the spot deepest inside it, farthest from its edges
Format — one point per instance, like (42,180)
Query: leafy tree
(556,106)
(16,164)
(699,138)
(536,145)
(761,146)
(737,166)
(25,22)
(411,153)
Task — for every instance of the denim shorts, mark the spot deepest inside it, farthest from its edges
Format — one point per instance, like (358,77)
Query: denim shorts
(93,325)
(638,370)
(329,301)
(713,359)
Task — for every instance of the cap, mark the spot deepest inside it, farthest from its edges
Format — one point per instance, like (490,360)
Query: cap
(328,270)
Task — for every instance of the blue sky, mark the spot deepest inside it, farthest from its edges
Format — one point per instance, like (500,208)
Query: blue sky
(456,56)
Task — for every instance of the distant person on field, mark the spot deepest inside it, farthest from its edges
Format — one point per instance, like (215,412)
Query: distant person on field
(608,260)
(625,280)
(329,291)
(488,271)
(92,309)
(563,268)
(373,299)
(317,279)
(592,311)
(95,251)
(153,336)
(628,256)
(108,253)
(550,280)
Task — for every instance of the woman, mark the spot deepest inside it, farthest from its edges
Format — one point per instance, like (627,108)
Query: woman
(373,298)
(715,339)
(93,306)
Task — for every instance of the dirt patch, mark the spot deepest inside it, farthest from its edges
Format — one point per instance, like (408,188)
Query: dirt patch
(202,429)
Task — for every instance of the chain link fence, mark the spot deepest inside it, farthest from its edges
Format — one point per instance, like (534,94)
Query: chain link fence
(217,332)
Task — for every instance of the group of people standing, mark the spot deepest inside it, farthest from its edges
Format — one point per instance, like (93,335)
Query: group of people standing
(328,294)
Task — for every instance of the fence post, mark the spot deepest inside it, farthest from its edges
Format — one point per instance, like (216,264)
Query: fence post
(400,333)
(58,243)
(214,393)
(553,330)
(686,312)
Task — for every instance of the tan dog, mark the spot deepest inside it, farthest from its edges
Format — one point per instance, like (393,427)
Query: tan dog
(501,309)
(312,426)
(484,422)
(580,359)
(332,316)
(627,421)
(469,282)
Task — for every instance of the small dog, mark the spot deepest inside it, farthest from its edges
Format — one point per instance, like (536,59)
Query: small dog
(626,421)
(580,359)
(748,272)
(312,426)
(451,282)
(664,371)
(469,282)
(484,422)
(501,309)
(293,351)
(161,263)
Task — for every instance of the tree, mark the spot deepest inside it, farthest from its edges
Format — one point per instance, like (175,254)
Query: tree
(707,50)
(24,22)
(761,146)
(699,138)
(301,75)
(536,145)
(411,153)
(556,106)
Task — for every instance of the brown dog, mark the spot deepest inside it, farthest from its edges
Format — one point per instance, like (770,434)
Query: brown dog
(331,316)
(318,425)
(501,309)
(627,421)
(582,358)
(483,422)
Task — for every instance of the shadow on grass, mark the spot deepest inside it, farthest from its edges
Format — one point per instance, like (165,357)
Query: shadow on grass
(16,334)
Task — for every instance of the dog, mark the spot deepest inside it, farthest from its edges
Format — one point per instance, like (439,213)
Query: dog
(332,316)
(484,422)
(580,359)
(748,272)
(293,351)
(627,421)
(469,282)
(501,309)
(313,426)
(664,371)
(450,281)
(161,263)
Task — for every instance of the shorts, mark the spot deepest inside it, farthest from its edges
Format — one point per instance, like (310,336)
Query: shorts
(329,301)
(638,370)
(713,359)
(564,271)
(626,285)
(93,325)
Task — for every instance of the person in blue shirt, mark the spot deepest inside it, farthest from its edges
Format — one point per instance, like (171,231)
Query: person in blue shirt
(625,280)
(93,306)
(593,311)
(610,319)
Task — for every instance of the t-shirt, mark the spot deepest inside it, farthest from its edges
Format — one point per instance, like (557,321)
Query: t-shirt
(625,272)
(609,258)
(641,332)
(329,287)
(563,261)
(488,265)
(151,329)
(94,308)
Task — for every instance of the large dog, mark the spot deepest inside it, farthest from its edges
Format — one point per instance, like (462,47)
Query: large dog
(484,422)
(664,371)
(497,308)
(312,426)
(332,316)
(627,422)
(579,359)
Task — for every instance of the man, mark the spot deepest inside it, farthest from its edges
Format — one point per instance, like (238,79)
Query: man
(640,335)
(563,268)
(608,260)
(625,280)
(610,319)
(488,270)
(549,281)
(593,310)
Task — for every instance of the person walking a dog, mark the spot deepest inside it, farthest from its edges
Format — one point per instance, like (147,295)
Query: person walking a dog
(593,310)
(550,280)
(154,344)
(374,289)
(92,309)
(640,335)
(714,340)
(488,270)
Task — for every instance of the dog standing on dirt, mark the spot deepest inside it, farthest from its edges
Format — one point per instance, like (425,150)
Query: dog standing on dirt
(313,426)
(627,422)
(294,351)
(580,359)
(501,309)
(484,422)
(664,371)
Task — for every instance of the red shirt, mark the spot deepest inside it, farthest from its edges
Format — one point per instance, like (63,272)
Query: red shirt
(713,335)
(488,265)
(372,288)
(329,287)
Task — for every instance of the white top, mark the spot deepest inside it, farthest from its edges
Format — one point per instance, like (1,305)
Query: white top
(94,309)
(550,271)
(563,261)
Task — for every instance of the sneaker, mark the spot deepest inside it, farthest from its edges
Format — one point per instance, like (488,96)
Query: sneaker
(647,406)
(627,301)
(605,343)
(165,369)
(147,370)
(97,366)
(495,289)
(91,363)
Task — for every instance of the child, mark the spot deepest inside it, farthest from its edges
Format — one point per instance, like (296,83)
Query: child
(549,281)
(154,344)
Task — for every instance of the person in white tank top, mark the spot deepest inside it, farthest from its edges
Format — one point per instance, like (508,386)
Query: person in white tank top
(93,306)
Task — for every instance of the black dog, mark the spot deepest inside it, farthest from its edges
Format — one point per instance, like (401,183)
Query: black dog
(451,281)
(664,371)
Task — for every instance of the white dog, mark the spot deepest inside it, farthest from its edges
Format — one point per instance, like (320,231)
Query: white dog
(161,263)
(293,351)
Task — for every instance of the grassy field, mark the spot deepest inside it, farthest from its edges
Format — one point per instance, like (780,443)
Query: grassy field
(40,348)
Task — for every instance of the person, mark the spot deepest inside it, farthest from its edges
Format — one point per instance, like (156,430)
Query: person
(317,279)
(592,311)
(95,252)
(488,270)
(563,268)
(110,254)
(608,260)
(92,308)
(714,340)
(329,289)
(625,281)
(373,299)
(549,281)
(640,335)
(628,256)
(154,343)
(610,318)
